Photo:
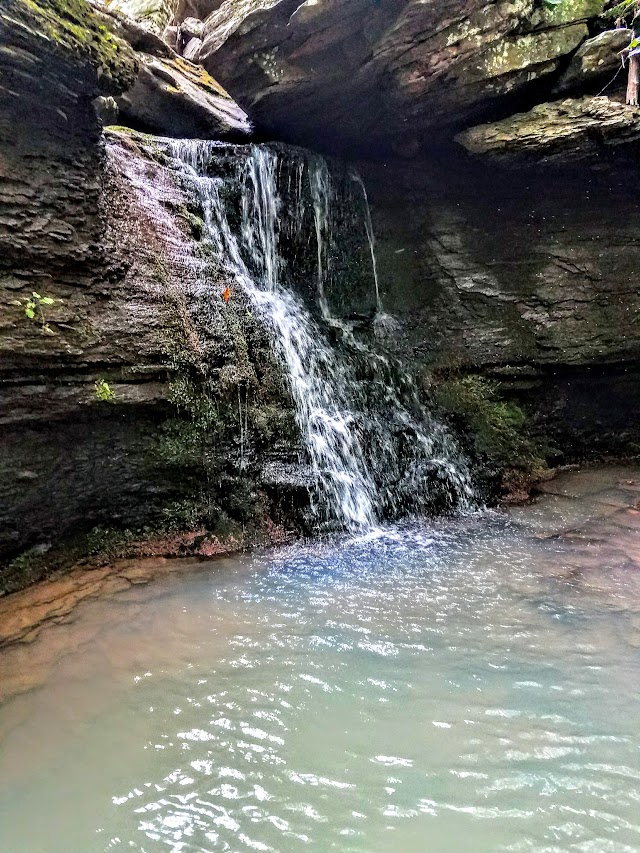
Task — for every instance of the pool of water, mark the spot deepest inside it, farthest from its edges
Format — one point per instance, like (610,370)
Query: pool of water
(458,687)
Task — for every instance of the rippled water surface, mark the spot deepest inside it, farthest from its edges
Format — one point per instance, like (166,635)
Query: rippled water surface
(443,688)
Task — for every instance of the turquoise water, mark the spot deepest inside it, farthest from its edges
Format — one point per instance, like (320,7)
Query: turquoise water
(456,687)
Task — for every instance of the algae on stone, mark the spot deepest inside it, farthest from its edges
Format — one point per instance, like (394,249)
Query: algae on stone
(73,27)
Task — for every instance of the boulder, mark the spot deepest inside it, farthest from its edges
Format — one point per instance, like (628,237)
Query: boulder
(170,37)
(395,72)
(596,60)
(177,98)
(191,28)
(192,49)
(171,95)
(138,36)
(154,15)
(189,38)
(569,130)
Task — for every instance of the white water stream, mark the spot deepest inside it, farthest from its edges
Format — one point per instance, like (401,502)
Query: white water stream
(362,456)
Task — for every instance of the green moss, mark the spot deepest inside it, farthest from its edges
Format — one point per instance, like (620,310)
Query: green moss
(499,430)
(194,223)
(190,397)
(74,27)
(107,542)
(26,568)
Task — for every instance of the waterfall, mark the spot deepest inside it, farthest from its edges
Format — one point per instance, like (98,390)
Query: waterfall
(368,224)
(373,449)
(320,185)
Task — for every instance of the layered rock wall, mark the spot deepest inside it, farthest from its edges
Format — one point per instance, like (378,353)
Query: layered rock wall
(99,414)
(527,277)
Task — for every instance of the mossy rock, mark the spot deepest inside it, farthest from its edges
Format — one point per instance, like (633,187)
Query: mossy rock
(154,15)
(500,431)
(71,27)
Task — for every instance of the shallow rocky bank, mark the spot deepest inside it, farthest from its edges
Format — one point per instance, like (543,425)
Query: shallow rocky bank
(592,514)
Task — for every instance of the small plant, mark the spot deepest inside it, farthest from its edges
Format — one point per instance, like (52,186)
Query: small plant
(34,309)
(620,12)
(104,392)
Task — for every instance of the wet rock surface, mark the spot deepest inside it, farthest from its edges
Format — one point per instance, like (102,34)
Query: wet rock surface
(143,325)
(91,433)
(526,277)
(599,504)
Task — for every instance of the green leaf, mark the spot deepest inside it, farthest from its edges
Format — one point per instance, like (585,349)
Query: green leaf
(36,295)
(29,312)
(47,300)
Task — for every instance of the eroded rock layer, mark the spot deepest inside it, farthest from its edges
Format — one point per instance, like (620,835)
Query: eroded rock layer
(389,72)
(106,411)
(525,277)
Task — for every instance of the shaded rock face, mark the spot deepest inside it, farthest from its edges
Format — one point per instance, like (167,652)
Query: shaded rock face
(529,278)
(167,448)
(580,129)
(595,61)
(386,72)
(174,96)
(170,95)
(112,409)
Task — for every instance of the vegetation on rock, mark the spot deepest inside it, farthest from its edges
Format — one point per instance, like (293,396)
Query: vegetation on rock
(34,306)
(499,431)
(73,27)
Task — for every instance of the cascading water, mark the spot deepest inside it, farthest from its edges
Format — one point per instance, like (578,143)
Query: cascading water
(368,224)
(373,449)
(320,185)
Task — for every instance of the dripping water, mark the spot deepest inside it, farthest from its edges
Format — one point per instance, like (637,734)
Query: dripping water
(373,450)
(320,185)
(368,224)
(383,323)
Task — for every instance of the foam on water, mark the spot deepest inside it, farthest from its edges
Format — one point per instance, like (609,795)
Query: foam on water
(442,688)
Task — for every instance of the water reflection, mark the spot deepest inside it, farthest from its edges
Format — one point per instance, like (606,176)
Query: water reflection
(462,686)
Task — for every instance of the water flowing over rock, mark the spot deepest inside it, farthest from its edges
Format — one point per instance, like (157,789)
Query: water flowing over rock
(372,455)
